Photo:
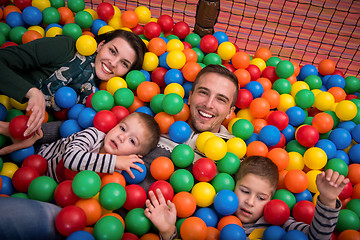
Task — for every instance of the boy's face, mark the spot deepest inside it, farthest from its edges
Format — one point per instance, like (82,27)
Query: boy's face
(254,193)
(127,137)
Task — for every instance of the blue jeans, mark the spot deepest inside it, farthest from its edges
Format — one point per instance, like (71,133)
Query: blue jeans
(27,219)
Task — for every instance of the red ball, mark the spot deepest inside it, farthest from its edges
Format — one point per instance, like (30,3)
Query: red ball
(152,30)
(129,236)
(244,98)
(307,135)
(135,197)
(88,101)
(105,11)
(278,119)
(64,194)
(165,188)
(204,170)
(187,45)
(208,44)
(105,120)
(166,23)
(22,4)
(303,211)
(269,73)
(254,71)
(276,212)
(120,112)
(158,75)
(70,219)
(229,67)
(36,161)
(138,29)
(23,177)
(8,44)
(61,115)
(346,192)
(181,29)
(281,143)
(17,127)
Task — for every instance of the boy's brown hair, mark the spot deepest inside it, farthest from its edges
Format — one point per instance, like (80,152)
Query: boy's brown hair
(259,166)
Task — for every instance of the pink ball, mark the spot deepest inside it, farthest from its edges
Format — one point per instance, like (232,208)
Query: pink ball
(70,219)
(303,211)
(181,29)
(278,119)
(120,112)
(23,177)
(204,170)
(244,98)
(64,195)
(276,212)
(36,161)
(307,135)
(254,71)
(105,11)
(135,197)
(105,120)
(152,30)
(208,44)
(165,188)
(166,23)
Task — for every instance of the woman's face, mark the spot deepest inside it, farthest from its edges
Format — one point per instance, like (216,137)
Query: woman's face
(114,59)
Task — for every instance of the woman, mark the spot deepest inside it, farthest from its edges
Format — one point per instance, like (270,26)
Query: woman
(34,71)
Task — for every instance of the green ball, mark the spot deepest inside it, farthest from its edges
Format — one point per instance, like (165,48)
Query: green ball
(1,163)
(2,39)
(284,69)
(179,223)
(286,196)
(50,15)
(112,196)
(20,195)
(223,181)
(354,205)
(142,36)
(136,222)
(57,3)
(212,58)
(76,5)
(124,97)
(16,33)
(172,103)
(182,155)
(84,19)
(108,227)
(352,84)
(347,220)
(42,189)
(337,165)
(324,135)
(134,78)
(182,180)
(273,61)
(102,100)
(335,118)
(282,86)
(3,141)
(172,36)
(5,29)
(12,113)
(200,54)
(295,146)
(156,103)
(313,81)
(229,164)
(193,39)
(304,98)
(308,120)
(243,129)
(356,101)
(86,184)
(72,30)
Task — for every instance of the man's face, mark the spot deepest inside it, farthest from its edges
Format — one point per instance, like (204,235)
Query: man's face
(210,102)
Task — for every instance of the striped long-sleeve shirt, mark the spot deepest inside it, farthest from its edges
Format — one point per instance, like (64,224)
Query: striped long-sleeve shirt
(79,151)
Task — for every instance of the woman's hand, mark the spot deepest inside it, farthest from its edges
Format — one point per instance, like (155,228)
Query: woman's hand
(37,106)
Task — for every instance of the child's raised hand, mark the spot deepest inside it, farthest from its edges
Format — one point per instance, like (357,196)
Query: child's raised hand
(330,184)
(125,163)
(161,214)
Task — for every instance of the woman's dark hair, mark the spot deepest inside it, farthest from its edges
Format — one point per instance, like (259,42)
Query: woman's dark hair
(134,40)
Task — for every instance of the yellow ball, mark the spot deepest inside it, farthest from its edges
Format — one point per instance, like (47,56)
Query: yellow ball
(5,100)
(315,197)
(231,123)
(38,29)
(324,101)
(105,29)
(114,84)
(117,12)
(41,4)
(204,194)
(295,161)
(236,146)
(201,139)
(346,110)
(9,169)
(174,44)
(245,114)
(115,22)
(174,88)
(315,158)
(226,50)
(286,101)
(151,61)
(297,86)
(93,13)
(215,148)
(17,105)
(143,14)
(153,20)
(260,63)
(176,59)
(86,45)
(52,32)
(312,180)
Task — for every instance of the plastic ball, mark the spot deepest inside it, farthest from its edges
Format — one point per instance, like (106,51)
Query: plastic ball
(215,148)
(165,188)
(166,23)
(204,170)
(296,115)
(346,110)
(182,180)
(270,135)
(135,197)
(86,45)
(337,165)
(340,137)
(139,176)
(176,59)
(304,98)
(152,30)
(278,119)
(64,195)
(172,103)
(161,168)
(70,219)
(30,35)
(295,234)
(72,30)
(307,135)
(42,189)
(86,117)
(83,19)
(352,84)
(276,212)
(323,122)
(306,71)
(226,50)
(226,202)
(65,97)
(75,110)
(284,69)
(7,187)
(230,163)
(354,153)
(347,220)
(193,228)
(181,29)
(315,158)
(179,131)
(242,128)
(36,161)
(97,25)
(255,88)
(81,234)
(208,44)
(237,146)
(76,5)
(112,196)
(151,61)
(274,233)
(102,100)
(240,60)
(105,11)
(23,177)
(259,108)
(18,156)
(296,181)
(108,227)
(349,234)
(86,184)
(92,209)
(164,120)
(204,194)
(185,204)
(17,127)
(244,98)
(123,97)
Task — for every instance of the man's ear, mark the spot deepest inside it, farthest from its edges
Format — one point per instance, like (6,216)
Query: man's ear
(100,45)
(189,99)
(232,109)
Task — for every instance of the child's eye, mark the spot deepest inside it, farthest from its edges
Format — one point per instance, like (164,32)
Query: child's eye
(132,141)
(244,191)
(122,128)
(261,198)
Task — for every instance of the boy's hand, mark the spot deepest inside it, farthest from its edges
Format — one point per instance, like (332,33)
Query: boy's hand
(125,163)
(330,184)
(162,215)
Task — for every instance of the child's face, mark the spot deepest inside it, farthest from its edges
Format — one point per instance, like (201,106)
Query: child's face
(127,137)
(253,193)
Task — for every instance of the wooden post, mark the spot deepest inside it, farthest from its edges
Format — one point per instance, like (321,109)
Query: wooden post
(207,13)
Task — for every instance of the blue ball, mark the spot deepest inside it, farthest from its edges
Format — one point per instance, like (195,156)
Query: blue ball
(96,25)
(274,233)
(340,154)
(335,81)
(32,15)
(252,138)
(165,39)
(139,176)
(295,234)
(65,97)
(162,60)
(221,37)
(226,202)
(146,74)
(179,131)
(328,146)
(53,25)
(18,156)
(270,135)
(232,232)
(296,116)
(306,71)
(174,76)
(14,19)
(7,187)
(187,88)
(80,235)
(305,195)
(341,137)
(348,125)
(3,112)
(289,133)
(69,127)
(86,117)
(145,109)
(255,88)
(74,111)
(324,79)
(354,154)
(355,133)
(208,215)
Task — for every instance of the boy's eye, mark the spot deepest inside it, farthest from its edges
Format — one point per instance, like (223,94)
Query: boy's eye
(261,198)
(132,141)
(244,191)
(122,128)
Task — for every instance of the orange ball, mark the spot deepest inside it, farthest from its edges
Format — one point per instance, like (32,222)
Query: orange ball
(149,236)
(116,177)
(296,68)
(280,157)
(193,228)
(92,209)
(1,13)
(185,204)
(258,124)
(259,107)
(9,9)
(281,182)
(183,115)
(115,215)
(161,168)
(349,234)
(240,60)
(326,67)
(226,121)
(338,93)
(212,233)
(323,122)
(136,104)
(191,70)
(88,33)
(46,117)
(129,19)
(230,219)
(273,97)
(103,85)
(65,15)
(296,181)
(356,191)
(257,148)
(292,79)
(353,174)
(190,55)
(263,53)
(147,90)
(164,120)
(265,82)
(243,77)
(30,35)
(157,46)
